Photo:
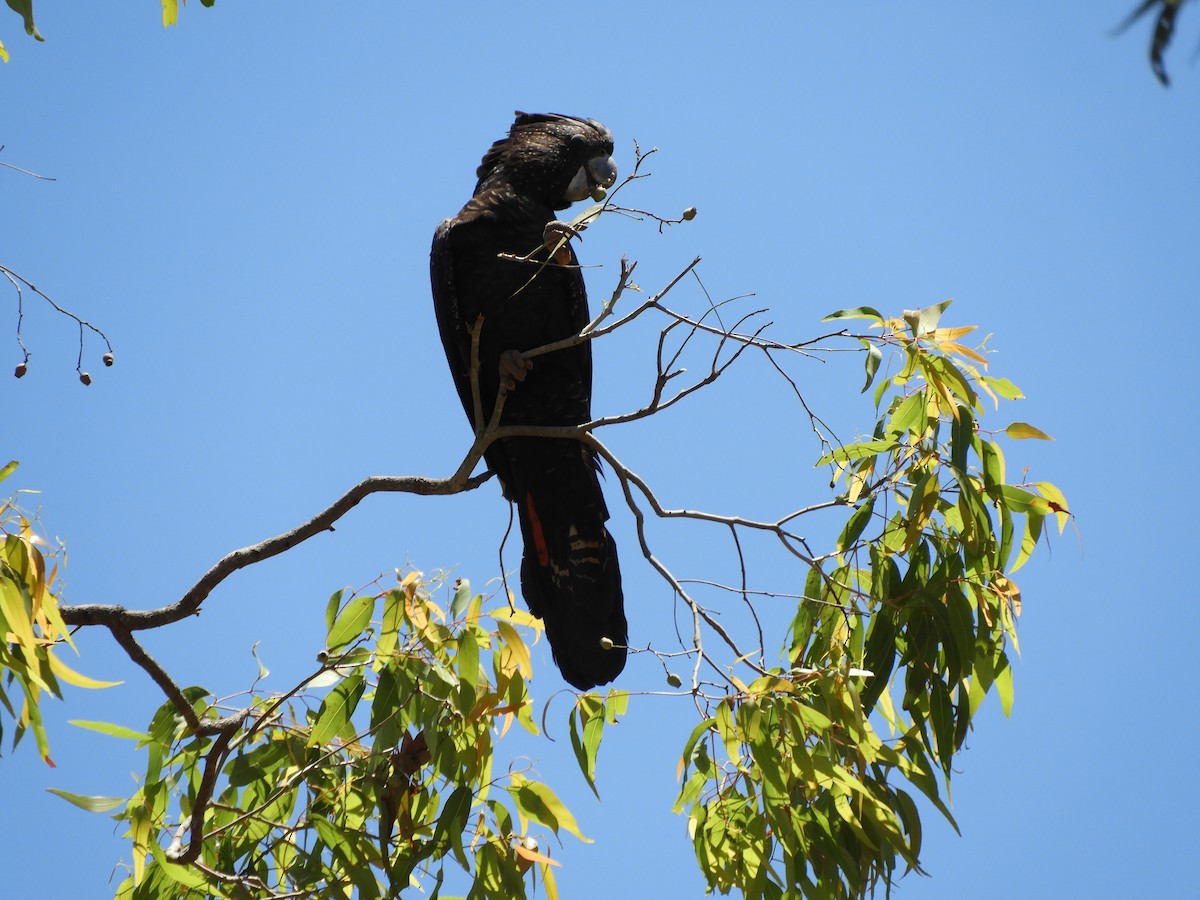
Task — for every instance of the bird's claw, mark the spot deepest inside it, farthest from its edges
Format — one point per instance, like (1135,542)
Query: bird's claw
(557,230)
(514,366)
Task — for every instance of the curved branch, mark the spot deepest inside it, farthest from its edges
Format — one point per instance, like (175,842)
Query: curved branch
(119,617)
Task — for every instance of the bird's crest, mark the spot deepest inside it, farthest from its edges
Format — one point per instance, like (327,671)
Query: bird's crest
(531,126)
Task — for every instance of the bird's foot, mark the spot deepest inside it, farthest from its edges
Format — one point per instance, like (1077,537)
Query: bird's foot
(514,366)
(555,237)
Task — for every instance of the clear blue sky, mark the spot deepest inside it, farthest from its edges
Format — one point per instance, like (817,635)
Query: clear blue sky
(245,203)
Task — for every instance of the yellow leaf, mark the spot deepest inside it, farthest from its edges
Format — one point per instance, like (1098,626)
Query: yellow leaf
(70,676)
(12,607)
(533,855)
(517,647)
(170,12)
(50,622)
(548,882)
(955,347)
(516,616)
(948,334)
(1023,431)
(1010,591)
(1057,501)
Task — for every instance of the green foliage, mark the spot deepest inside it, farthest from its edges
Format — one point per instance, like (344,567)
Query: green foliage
(369,790)
(789,788)
(32,629)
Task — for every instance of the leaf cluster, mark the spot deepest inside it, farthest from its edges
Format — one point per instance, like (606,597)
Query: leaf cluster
(790,788)
(371,789)
(32,629)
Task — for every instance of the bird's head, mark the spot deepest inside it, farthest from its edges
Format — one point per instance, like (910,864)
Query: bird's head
(552,158)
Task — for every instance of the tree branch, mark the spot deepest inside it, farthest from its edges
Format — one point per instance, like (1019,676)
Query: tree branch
(134,620)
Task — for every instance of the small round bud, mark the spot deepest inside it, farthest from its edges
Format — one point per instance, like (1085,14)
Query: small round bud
(689,214)
(108,359)
(85,377)
(606,643)
(21,370)
(674,680)
(599,193)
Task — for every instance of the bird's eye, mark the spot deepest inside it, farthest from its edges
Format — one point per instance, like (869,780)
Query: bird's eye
(578,141)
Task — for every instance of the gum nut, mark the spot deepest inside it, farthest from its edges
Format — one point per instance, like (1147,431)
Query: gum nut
(108,359)
(674,680)
(599,193)
(21,370)
(85,377)
(689,214)
(606,643)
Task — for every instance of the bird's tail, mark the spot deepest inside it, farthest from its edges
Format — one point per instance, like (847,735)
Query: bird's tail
(569,573)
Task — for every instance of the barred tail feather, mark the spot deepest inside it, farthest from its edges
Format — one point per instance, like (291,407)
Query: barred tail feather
(570,575)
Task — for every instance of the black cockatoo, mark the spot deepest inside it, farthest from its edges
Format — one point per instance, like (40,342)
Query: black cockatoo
(569,572)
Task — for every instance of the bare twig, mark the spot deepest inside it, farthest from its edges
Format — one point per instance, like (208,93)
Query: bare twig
(19,283)
(26,171)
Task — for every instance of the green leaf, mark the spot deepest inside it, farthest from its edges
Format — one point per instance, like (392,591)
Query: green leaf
(24,9)
(333,718)
(693,744)
(323,679)
(1004,684)
(1033,533)
(923,321)
(727,730)
(858,312)
(585,756)
(351,622)
(860,450)
(108,728)
(910,416)
(34,713)
(452,821)
(12,465)
(184,875)
(962,437)
(1003,387)
(263,671)
(871,364)
(1025,431)
(91,804)
(248,768)
(331,609)
(170,9)
(1057,501)
(615,704)
(462,599)
(944,376)
(879,657)
(1020,500)
(538,802)
(855,525)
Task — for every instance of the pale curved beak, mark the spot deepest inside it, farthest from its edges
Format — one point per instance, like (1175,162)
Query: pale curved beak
(603,170)
(599,172)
